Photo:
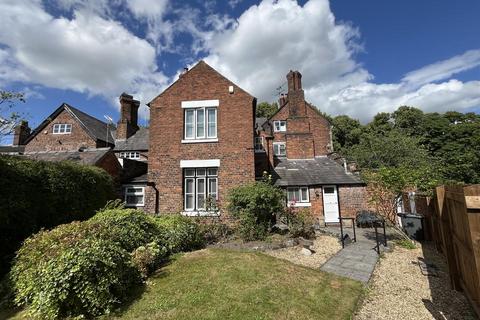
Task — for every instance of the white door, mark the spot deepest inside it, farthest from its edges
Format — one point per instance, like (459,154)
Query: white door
(330,203)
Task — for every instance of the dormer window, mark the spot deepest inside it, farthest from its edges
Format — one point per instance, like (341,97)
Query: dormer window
(279,126)
(200,121)
(62,128)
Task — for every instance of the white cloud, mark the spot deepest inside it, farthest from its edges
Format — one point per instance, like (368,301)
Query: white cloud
(273,37)
(444,69)
(88,53)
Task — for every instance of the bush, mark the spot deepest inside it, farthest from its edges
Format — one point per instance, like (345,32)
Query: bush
(181,233)
(215,232)
(299,222)
(147,258)
(130,228)
(38,194)
(72,270)
(255,205)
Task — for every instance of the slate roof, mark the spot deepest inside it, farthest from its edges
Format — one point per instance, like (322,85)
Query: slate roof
(87,157)
(260,121)
(318,171)
(12,149)
(139,179)
(139,141)
(95,128)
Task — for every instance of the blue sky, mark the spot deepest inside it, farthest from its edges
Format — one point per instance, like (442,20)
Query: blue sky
(356,57)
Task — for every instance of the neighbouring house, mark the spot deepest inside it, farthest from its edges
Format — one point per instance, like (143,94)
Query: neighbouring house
(204,140)
(295,146)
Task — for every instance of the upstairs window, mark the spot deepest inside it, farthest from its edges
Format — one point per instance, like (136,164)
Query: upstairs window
(200,188)
(62,128)
(259,144)
(130,155)
(134,196)
(279,126)
(200,123)
(279,149)
(298,194)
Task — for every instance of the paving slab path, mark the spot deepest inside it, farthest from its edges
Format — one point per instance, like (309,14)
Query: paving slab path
(357,260)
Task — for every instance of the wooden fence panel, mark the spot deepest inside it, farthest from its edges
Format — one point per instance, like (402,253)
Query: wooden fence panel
(456,225)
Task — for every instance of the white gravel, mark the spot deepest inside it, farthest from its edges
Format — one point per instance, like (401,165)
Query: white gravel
(399,290)
(324,247)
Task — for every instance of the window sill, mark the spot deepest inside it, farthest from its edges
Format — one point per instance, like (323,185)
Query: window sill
(134,205)
(201,213)
(259,151)
(200,140)
(300,204)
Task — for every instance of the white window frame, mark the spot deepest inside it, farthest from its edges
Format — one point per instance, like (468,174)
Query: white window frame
(257,144)
(207,177)
(282,126)
(279,144)
(135,155)
(62,128)
(302,202)
(135,193)
(205,107)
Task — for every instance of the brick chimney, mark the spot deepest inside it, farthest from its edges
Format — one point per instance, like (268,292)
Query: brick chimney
(296,96)
(128,123)
(282,100)
(21,133)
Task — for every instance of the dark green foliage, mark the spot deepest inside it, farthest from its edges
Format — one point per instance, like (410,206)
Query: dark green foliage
(300,222)
(146,258)
(181,233)
(37,194)
(346,132)
(265,109)
(256,205)
(72,270)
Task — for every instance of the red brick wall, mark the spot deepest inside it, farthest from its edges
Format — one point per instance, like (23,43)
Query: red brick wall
(235,131)
(110,164)
(352,199)
(320,129)
(47,141)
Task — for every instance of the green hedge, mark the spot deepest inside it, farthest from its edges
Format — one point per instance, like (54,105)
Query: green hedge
(87,268)
(39,194)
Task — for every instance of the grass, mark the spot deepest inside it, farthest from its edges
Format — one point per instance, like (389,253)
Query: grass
(221,284)
(407,244)
(227,284)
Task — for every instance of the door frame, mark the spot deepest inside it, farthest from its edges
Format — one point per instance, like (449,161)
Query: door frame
(337,220)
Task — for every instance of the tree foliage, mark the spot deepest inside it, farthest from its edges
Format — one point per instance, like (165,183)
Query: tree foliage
(8,118)
(266,110)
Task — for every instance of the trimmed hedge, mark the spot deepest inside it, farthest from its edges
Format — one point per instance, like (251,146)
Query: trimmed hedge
(39,194)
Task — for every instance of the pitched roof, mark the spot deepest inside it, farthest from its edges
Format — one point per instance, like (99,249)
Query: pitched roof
(87,156)
(95,128)
(318,171)
(139,141)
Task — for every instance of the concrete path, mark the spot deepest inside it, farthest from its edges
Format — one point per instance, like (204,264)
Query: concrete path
(358,259)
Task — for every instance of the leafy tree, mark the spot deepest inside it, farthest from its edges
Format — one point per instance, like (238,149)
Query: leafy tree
(266,110)
(381,124)
(408,120)
(346,132)
(9,119)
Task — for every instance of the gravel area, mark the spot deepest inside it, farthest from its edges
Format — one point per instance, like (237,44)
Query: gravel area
(324,247)
(399,290)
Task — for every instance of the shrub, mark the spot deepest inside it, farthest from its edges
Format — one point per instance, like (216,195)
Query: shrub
(46,194)
(147,257)
(130,228)
(181,233)
(255,205)
(72,270)
(215,232)
(299,222)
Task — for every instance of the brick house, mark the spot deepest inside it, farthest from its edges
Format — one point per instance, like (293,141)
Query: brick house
(295,146)
(201,142)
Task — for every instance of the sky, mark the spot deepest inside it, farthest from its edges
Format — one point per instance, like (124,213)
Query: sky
(356,57)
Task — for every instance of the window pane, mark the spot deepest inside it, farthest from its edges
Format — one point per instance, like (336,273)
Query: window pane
(189,202)
(201,185)
(212,122)
(282,149)
(201,172)
(189,185)
(290,195)
(212,171)
(212,186)
(189,123)
(200,123)
(304,194)
(189,172)
(68,128)
(132,199)
(328,190)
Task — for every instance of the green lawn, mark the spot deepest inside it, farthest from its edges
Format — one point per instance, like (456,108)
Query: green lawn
(223,284)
